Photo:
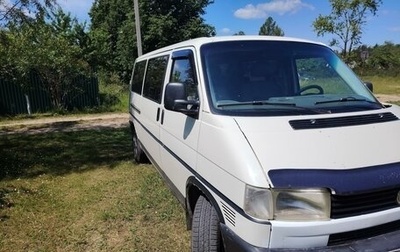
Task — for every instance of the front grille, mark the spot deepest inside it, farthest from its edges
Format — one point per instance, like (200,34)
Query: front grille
(356,204)
(347,237)
(332,122)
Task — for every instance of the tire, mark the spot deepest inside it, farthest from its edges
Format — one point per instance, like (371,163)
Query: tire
(206,235)
(138,153)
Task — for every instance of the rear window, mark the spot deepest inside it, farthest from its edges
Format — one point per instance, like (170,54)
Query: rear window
(138,75)
(154,80)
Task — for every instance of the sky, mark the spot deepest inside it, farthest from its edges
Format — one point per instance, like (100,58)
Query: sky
(295,17)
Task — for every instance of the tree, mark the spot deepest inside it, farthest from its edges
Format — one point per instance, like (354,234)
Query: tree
(49,47)
(17,13)
(270,28)
(23,10)
(384,59)
(346,21)
(240,33)
(163,23)
(170,21)
(112,33)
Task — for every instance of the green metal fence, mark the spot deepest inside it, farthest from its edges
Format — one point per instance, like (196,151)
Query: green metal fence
(13,100)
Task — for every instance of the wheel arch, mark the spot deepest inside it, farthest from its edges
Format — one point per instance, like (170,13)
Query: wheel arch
(194,188)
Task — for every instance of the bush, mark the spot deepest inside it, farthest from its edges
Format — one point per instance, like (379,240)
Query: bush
(114,94)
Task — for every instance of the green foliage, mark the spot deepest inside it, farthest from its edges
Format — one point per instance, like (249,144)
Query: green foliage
(171,21)
(114,95)
(380,60)
(346,21)
(53,47)
(162,23)
(110,20)
(385,58)
(270,28)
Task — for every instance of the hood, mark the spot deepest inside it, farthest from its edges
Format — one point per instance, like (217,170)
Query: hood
(337,142)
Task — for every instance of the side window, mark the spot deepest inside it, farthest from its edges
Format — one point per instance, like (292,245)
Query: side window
(183,72)
(138,76)
(154,80)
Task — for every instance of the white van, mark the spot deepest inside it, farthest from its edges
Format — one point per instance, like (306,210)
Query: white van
(270,144)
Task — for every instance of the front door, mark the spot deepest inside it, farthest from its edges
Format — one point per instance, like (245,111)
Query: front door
(179,132)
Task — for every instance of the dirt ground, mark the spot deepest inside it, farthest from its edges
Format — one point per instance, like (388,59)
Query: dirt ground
(388,98)
(82,122)
(64,123)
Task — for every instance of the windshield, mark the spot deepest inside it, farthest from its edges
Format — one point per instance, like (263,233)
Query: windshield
(281,78)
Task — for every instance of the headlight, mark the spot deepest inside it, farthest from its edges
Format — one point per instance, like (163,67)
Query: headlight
(287,204)
(302,205)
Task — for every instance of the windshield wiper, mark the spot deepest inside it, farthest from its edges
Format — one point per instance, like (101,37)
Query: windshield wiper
(345,99)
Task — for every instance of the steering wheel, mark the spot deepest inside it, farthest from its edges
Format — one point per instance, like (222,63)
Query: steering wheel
(319,88)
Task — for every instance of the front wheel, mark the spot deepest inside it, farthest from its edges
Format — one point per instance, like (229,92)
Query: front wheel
(206,234)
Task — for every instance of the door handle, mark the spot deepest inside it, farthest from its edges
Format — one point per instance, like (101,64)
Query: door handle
(162,117)
(158,115)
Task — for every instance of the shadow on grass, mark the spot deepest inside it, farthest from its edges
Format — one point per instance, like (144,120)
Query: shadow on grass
(59,153)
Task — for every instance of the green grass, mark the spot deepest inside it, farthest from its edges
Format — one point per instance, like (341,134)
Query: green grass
(384,85)
(80,191)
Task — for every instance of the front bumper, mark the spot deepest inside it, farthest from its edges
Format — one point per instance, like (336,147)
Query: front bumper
(385,242)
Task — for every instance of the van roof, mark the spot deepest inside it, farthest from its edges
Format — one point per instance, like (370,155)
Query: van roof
(197,42)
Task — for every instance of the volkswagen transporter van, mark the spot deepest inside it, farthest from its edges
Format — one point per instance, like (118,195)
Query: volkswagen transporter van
(270,144)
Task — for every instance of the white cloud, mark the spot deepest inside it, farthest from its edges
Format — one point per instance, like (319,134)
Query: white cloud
(250,11)
(226,31)
(263,10)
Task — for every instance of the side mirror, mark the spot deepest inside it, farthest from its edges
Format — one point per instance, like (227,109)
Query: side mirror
(369,85)
(176,100)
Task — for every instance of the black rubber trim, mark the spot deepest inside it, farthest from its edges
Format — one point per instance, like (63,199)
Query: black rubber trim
(193,181)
